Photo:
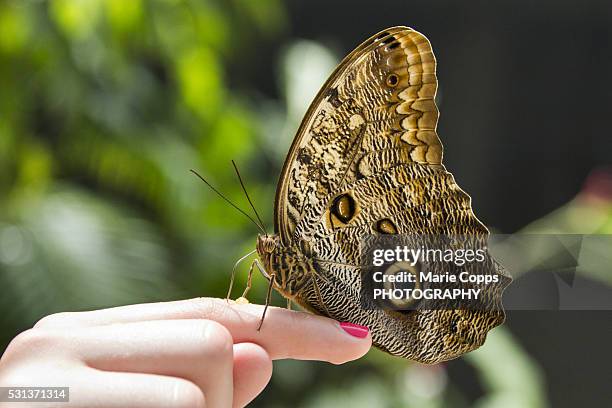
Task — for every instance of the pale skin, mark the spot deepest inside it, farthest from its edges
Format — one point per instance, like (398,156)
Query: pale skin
(201,352)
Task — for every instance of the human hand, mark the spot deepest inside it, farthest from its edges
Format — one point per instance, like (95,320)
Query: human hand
(193,353)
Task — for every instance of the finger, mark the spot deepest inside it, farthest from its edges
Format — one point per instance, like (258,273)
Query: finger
(285,333)
(200,351)
(292,334)
(252,372)
(103,389)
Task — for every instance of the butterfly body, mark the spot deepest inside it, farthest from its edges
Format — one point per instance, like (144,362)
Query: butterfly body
(367,161)
(289,269)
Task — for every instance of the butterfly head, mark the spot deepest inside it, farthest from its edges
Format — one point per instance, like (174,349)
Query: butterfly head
(266,244)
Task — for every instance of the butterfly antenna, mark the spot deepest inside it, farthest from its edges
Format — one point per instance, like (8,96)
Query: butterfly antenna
(228,201)
(263,226)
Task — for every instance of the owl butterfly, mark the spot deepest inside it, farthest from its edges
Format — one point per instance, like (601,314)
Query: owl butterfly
(367,160)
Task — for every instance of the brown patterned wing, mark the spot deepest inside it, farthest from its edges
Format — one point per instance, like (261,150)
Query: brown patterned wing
(377,107)
(367,160)
(410,200)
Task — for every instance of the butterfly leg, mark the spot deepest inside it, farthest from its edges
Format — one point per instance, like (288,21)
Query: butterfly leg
(231,285)
(263,316)
(289,304)
(249,279)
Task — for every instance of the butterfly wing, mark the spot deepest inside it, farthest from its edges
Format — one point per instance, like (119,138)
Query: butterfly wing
(379,102)
(411,200)
(367,160)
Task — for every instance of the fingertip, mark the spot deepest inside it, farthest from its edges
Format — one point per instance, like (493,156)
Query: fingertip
(358,340)
(298,335)
(252,372)
(355,330)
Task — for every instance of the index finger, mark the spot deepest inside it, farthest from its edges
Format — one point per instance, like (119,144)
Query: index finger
(285,333)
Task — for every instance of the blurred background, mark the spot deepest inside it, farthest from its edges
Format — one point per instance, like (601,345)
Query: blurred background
(105,105)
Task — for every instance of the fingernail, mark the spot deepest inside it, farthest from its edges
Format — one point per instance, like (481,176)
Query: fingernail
(355,330)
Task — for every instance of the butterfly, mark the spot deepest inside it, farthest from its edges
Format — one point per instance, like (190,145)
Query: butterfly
(367,160)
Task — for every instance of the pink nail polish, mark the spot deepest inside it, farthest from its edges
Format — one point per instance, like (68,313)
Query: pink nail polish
(355,330)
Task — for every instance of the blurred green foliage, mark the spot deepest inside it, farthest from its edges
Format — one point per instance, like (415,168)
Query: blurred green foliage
(104,107)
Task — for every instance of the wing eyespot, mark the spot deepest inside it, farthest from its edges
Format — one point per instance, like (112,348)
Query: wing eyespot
(344,207)
(392,80)
(386,226)
(397,269)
